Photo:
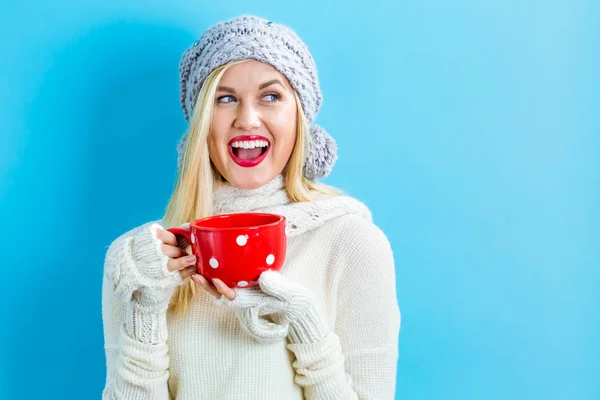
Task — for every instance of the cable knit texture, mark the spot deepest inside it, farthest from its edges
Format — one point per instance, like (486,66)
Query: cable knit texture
(140,278)
(334,300)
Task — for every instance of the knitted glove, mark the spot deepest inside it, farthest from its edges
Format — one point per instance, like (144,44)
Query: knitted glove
(254,309)
(291,308)
(306,322)
(138,270)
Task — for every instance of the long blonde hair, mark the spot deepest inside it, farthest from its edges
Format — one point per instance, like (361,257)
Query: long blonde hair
(198,177)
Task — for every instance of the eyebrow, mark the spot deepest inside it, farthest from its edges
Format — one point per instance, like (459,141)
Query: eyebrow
(262,86)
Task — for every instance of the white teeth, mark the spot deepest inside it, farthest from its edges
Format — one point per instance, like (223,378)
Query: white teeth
(250,144)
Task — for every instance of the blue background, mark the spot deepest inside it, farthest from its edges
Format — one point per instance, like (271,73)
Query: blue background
(471,129)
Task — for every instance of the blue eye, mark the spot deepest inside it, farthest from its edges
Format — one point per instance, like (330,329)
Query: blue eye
(220,99)
(271,97)
(274,96)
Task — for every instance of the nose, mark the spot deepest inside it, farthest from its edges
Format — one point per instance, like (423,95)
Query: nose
(247,117)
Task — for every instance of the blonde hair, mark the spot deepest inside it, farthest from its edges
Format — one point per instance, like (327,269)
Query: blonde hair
(198,178)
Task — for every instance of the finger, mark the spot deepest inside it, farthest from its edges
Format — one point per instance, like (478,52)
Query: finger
(225,290)
(175,264)
(166,237)
(187,272)
(172,251)
(204,284)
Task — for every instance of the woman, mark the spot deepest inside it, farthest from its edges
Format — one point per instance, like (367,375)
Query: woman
(326,326)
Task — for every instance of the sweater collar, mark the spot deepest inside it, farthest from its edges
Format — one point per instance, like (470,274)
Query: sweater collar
(273,198)
(231,199)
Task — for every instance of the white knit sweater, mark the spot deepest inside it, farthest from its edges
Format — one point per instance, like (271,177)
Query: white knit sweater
(335,251)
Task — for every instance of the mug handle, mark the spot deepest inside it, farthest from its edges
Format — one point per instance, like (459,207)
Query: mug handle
(188,236)
(180,231)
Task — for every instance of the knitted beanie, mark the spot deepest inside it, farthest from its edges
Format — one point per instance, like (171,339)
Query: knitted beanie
(251,37)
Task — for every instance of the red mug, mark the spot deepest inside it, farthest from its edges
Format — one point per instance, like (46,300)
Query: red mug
(237,248)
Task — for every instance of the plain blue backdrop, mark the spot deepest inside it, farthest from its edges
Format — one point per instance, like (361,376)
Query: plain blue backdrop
(470,128)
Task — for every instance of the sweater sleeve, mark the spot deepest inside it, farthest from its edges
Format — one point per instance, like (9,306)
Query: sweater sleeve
(135,369)
(368,315)
(357,360)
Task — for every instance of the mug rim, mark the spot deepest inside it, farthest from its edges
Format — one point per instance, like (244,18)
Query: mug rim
(280,219)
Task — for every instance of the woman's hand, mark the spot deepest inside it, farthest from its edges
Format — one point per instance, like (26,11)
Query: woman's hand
(218,288)
(292,309)
(185,262)
(180,259)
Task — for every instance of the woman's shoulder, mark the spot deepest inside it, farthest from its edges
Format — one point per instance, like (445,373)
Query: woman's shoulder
(355,233)
(359,232)
(359,247)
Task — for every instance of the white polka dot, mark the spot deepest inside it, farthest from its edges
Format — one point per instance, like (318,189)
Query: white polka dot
(270,259)
(242,283)
(193,239)
(242,240)
(213,262)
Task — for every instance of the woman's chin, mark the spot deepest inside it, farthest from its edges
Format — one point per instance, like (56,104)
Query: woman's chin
(250,178)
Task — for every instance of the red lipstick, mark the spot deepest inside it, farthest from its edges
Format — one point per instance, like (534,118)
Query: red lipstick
(248,163)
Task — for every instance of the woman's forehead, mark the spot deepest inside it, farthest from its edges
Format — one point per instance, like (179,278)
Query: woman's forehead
(251,74)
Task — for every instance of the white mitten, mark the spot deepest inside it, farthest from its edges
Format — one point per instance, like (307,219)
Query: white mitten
(278,309)
(319,362)
(306,322)
(138,270)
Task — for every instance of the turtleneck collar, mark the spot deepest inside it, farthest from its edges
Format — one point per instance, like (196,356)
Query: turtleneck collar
(229,198)
(272,198)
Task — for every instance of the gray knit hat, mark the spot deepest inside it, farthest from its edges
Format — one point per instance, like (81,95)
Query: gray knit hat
(251,37)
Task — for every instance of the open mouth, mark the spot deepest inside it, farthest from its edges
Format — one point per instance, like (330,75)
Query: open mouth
(249,151)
